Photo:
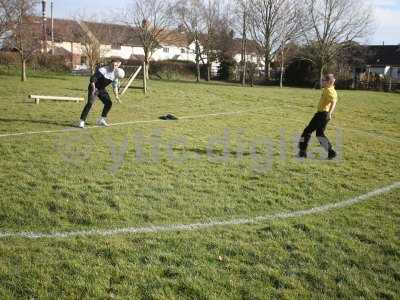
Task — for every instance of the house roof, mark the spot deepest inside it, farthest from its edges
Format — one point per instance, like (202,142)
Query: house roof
(109,34)
(251,46)
(106,33)
(176,38)
(383,55)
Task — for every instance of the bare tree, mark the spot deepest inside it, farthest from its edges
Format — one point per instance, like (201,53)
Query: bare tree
(288,29)
(212,21)
(25,34)
(150,19)
(190,14)
(91,35)
(242,22)
(4,17)
(333,24)
(265,16)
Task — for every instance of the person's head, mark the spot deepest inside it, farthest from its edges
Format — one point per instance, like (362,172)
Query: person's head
(328,80)
(115,64)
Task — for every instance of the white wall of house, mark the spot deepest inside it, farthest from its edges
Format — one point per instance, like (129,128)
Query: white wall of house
(393,72)
(251,57)
(126,52)
(71,47)
(168,51)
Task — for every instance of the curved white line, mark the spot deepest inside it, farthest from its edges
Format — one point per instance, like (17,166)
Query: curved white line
(199,226)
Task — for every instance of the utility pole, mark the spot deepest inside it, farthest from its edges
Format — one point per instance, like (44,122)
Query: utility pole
(244,43)
(44,26)
(52,27)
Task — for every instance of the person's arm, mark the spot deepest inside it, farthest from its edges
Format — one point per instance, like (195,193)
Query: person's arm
(332,108)
(333,97)
(115,90)
(93,80)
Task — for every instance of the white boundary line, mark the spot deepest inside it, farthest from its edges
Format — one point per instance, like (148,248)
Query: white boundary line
(71,129)
(127,123)
(200,226)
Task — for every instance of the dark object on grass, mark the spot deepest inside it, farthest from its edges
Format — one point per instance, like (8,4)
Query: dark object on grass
(168,117)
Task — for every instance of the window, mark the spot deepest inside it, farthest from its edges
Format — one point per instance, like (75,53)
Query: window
(166,50)
(183,51)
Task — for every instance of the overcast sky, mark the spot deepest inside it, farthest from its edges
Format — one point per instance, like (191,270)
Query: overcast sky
(387,15)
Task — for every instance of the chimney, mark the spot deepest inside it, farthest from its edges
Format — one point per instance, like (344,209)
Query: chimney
(44,26)
(181,28)
(145,23)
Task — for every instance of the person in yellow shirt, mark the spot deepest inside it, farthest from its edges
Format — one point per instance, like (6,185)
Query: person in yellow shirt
(318,123)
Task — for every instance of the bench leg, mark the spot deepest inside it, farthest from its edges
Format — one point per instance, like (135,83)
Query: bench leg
(37,100)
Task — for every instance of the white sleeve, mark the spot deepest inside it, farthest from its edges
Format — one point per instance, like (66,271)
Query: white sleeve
(115,83)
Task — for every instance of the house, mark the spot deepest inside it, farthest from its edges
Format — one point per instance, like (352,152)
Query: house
(115,41)
(384,60)
(252,53)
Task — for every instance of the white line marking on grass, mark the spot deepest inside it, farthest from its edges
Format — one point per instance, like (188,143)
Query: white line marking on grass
(70,129)
(199,226)
(374,135)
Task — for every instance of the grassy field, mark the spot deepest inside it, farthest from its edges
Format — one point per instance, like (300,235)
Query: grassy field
(156,173)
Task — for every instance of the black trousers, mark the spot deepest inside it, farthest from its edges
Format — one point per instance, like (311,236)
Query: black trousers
(318,123)
(103,96)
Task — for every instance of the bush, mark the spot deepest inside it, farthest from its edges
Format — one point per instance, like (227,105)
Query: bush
(56,63)
(172,69)
(227,69)
(8,58)
(301,73)
(8,61)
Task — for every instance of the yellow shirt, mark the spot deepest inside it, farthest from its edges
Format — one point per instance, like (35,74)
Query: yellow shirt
(328,97)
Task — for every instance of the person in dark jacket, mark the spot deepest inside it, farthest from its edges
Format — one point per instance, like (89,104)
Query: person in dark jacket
(103,77)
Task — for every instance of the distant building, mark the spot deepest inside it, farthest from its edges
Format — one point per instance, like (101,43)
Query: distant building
(115,41)
(384,60)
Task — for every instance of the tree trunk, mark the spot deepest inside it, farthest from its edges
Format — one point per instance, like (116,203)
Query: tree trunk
(282,65)
(23,68)
(144,77)
(267,69)
(197,62)
(147,70)
(244,50)
(321,76)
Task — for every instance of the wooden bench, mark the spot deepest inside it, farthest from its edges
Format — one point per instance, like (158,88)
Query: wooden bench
(56,98)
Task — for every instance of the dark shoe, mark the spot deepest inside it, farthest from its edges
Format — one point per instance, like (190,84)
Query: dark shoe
(302,154)
(331,154)
(171,117)
(168,117)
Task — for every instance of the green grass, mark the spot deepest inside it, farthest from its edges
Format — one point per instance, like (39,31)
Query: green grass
(65,181)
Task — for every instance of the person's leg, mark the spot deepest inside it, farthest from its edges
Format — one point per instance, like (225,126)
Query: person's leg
(305,137)
(322,138)
(89,104)
(105,98)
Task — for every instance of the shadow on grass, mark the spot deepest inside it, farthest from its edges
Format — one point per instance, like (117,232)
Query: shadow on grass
(37,122)
(215,83)
(48,76)
(215,152)
(77,90)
